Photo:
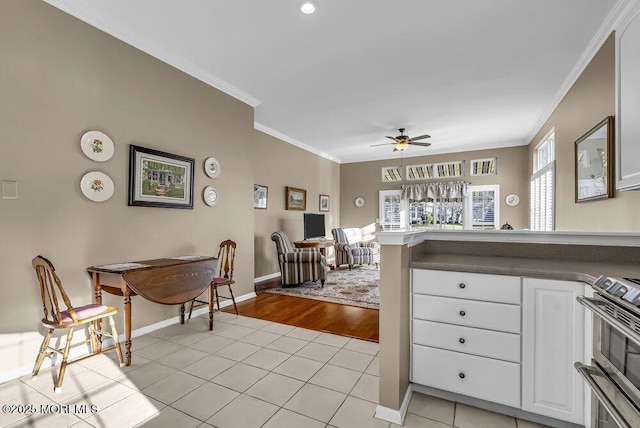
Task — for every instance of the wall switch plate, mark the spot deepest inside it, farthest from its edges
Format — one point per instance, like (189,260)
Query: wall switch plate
(9,189)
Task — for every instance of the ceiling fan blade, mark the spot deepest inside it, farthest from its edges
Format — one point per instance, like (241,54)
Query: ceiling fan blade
(393,138)
(413,143)
(421,137)
(383,144)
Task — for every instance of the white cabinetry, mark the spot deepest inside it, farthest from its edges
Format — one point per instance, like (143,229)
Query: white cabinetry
(466,334)
(504,339)
(628,103)
(552,340)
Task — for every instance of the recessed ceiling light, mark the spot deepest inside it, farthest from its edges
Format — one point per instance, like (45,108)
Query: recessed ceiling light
(308,7)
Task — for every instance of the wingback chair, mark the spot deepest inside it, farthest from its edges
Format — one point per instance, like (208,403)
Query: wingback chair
(298,265)
(351,250)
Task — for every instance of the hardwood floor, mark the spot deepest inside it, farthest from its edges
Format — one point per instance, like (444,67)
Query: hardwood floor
(351,321)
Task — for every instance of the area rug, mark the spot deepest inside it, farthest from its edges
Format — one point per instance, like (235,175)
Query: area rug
(355,287)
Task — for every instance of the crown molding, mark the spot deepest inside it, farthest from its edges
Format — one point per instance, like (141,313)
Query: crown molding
(279,135)
(621,9)
(138,42)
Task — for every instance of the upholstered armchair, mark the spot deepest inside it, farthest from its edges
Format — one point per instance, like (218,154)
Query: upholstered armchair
(351,250)
(298,265)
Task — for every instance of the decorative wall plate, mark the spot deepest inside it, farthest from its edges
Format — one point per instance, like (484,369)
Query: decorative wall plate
(96,186)
(512,200)
(210,195)
(212,167)
(359,202)
(97,146)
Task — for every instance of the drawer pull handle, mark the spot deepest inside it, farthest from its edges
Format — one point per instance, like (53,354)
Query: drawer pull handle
(462,375)
(461,340)
(462,313)
(462,285)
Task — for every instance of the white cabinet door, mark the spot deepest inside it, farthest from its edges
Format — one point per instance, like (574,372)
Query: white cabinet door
(628,103)
(552,340)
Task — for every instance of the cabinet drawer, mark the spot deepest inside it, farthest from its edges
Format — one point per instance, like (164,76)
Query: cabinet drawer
(480,377)
(470,313)
(476,286)
(485,343)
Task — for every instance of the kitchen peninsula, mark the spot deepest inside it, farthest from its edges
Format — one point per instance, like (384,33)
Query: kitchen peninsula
(513,269)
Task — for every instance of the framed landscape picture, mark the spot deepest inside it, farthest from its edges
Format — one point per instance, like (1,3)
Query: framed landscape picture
(260,195)
(296,199)
(160,179)
(324,202)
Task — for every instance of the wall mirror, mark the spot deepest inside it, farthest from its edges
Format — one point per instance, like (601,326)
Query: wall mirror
(594,169)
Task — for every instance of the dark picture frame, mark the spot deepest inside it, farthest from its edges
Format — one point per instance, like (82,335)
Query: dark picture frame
(324,203)
(296,198)
(160,179)
(594,163)
(260,196)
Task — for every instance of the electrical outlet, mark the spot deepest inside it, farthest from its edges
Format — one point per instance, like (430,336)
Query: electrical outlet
(9,189)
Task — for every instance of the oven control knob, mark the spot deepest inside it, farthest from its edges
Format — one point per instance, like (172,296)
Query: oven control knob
(633,296)
(617,289)
(603,282)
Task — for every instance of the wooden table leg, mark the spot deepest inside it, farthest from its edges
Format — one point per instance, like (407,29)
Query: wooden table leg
(127,326)
(182,313)
(211,289)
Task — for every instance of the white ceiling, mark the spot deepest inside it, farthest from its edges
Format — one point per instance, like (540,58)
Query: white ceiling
(472,74)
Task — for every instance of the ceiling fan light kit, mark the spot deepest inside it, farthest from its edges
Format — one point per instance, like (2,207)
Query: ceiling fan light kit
(308,7)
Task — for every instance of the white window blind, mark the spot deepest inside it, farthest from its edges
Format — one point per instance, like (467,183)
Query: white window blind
(392,212)
(542,198)
(483,207)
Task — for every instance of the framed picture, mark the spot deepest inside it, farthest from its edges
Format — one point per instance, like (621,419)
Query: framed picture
(594,166)
(160,179)
(324,202)
(260,195)
(296,199)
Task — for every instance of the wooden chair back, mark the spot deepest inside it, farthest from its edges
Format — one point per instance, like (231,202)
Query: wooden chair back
(226,259)
(51,291)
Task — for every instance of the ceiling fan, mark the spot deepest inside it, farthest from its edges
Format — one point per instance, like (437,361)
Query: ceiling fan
(401,142)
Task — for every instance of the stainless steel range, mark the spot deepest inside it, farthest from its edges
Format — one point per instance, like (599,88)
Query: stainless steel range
(614,377)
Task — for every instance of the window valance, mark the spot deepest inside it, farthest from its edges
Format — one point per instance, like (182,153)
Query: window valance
(436,190)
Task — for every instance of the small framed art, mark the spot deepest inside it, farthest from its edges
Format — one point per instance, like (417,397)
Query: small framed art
(260,196)
(324,202)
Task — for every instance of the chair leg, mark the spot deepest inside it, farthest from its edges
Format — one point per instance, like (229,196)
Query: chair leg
(43,352)
(92,338)
(322,283)
(233,299)
(215,289)
(116,339)
(63,365)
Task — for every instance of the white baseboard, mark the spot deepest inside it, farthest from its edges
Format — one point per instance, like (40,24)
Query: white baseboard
(81,351)
(392,415)
(267,277)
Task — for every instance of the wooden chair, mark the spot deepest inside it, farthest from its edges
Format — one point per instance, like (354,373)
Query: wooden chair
(224,276)
(91,315)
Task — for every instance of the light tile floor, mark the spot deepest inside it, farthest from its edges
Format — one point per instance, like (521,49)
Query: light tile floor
(245,373)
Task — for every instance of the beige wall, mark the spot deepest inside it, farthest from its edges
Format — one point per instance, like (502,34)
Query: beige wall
(590,100)
(60,78)
(364,179)
(278,165)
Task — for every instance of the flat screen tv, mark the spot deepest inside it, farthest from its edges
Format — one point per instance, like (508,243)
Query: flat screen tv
(314,226)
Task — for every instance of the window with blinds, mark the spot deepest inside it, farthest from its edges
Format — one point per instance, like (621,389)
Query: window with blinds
(484,166)
(542,214)
(542,198)
(483,207)
(419,172)
(391,173)
(392,212)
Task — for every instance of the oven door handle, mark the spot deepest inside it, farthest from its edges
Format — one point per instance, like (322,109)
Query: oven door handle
(595,305)
(587,372)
